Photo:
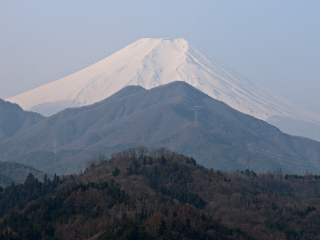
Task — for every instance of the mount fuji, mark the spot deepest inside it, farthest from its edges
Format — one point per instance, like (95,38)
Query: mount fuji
(152,62)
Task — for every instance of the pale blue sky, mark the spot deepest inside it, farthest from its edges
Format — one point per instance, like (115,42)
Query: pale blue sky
(275,44)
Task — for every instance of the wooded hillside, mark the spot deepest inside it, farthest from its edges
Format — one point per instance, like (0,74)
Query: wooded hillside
(159,194)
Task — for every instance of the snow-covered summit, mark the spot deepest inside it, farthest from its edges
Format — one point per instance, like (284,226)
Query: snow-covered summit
(152,62)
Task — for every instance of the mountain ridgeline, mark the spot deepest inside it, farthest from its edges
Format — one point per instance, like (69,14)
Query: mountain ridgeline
(152,62)
(176,116)
(13,118)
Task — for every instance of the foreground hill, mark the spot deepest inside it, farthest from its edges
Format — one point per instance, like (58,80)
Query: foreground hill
(13,118)
(159,194)
(176,116)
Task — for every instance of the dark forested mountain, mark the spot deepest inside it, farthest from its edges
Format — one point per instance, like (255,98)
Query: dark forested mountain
(176,116)
(158,194)
(13,118)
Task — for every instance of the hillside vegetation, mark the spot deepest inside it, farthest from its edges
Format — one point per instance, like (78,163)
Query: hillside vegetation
(159,194)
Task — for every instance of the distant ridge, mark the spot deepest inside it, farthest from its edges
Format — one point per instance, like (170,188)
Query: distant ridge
(13,119)
(152,62)
(11,172)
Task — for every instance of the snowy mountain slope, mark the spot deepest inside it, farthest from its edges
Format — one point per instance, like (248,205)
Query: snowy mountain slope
(153,62)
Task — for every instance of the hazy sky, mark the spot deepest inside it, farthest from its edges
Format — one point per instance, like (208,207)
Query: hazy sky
(275,44)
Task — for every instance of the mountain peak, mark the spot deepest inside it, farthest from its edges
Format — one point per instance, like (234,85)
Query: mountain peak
(148,62)
(175,40)
(151,62)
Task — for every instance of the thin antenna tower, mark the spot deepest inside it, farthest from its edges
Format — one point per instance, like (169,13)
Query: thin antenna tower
(196,110)
(196,116)
(55,145)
